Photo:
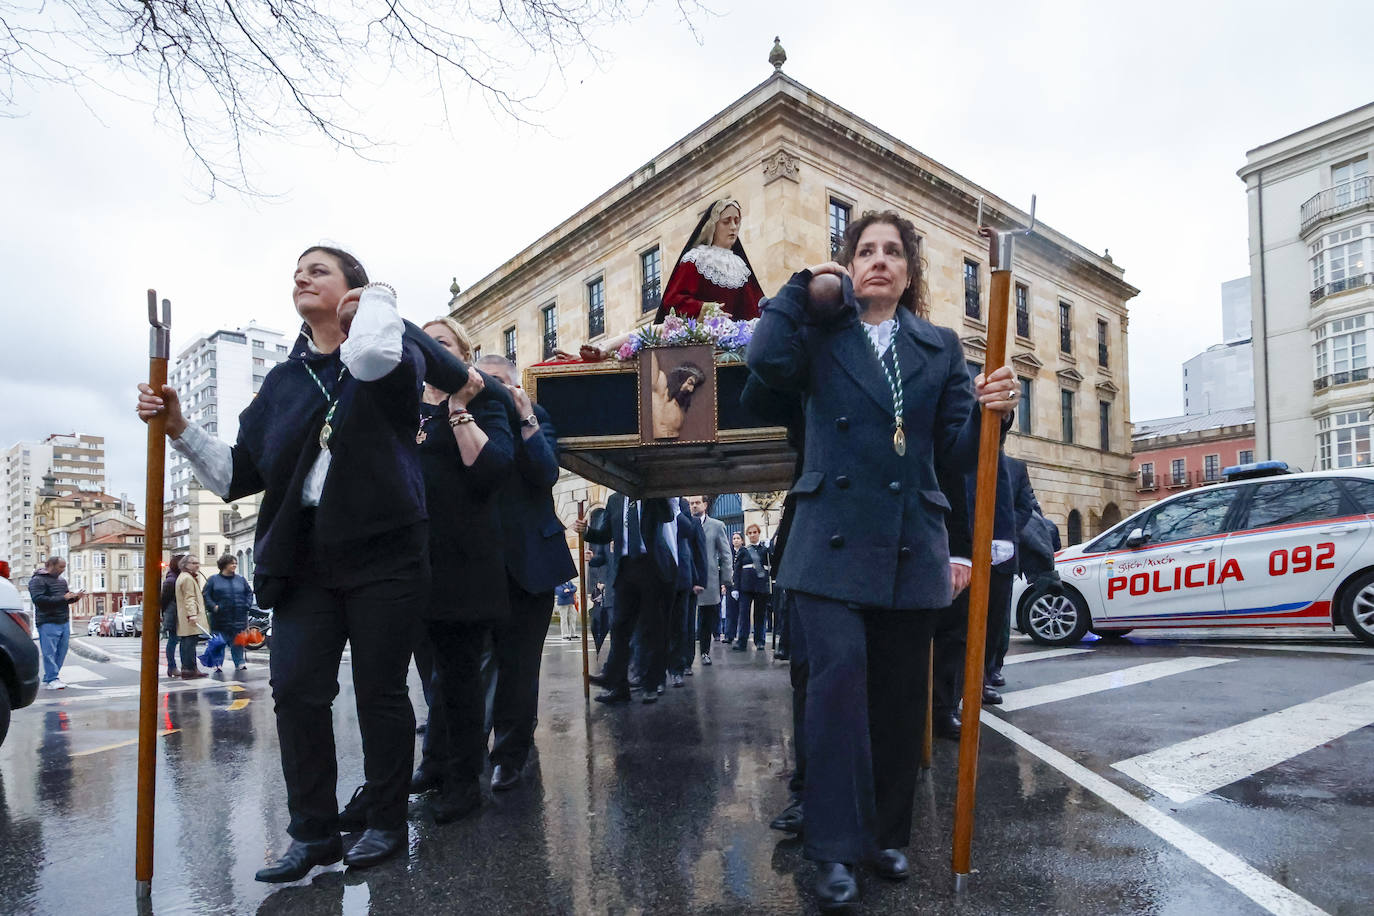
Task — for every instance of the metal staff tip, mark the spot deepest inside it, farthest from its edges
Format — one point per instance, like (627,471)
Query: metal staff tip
(160,331)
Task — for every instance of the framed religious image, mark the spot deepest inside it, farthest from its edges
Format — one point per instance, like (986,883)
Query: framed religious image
(677,395)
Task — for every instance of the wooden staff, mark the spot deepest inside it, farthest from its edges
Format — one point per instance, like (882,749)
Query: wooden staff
(985,506)
(582,596)
(159,346)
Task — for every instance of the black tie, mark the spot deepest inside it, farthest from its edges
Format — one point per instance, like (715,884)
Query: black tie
(634,548)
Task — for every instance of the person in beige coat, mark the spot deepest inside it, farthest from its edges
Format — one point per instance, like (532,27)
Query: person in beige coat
(191,617)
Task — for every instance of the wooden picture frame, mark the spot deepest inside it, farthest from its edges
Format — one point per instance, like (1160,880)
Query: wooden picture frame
(677,395)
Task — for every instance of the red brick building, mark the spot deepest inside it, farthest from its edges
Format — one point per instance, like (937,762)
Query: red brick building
(1176,453)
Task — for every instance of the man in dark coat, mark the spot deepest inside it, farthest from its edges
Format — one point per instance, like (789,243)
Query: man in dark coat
(228,596)
(537,560)
(691,582)
(754,581)
(643,536)
(52,601)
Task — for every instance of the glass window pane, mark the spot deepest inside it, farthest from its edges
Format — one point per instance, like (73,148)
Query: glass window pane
(1197,515)
(1295,501)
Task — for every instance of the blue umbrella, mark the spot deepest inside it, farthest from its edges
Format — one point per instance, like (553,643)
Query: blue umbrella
(213,656)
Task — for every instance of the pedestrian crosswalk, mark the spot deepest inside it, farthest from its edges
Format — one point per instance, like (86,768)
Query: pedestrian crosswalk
(1136,674)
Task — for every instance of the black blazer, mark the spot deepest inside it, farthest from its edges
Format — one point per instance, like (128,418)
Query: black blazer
(654,514)
(467,560)
(752,569)
(537,556)
(870,526)
(691,549)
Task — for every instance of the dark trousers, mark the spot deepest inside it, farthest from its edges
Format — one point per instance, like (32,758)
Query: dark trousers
(456,742)
(999,621)
(865,715)
(518,649)
(187,647)
(682,627)
(951,642)
(799,670)
(333,599)
(708,625)
(173,644)
(758,602)
(732,621)
(641,601)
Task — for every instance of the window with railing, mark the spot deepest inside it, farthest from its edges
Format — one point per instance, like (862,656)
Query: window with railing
(549,315)
(1147,475)
(1341,261)
(1178,472)
(651,276)
(839,222)
(972,300)
(1343,439)
(596,307)
(1023,322)
(1102,349)
(508,337)
(1344,176)
(1211,467)
(1341,351)
(1065,328)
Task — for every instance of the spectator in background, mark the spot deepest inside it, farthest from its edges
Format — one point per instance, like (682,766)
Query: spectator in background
(720,562)
(52,601)
(691,582)
(167,603)
(228,596)
(753,578)
(565,597)
(190,614)
(732,594)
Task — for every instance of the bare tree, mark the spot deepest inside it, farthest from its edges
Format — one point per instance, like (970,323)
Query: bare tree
(228,70)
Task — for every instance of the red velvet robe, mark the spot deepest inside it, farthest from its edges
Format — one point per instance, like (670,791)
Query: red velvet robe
(688,289)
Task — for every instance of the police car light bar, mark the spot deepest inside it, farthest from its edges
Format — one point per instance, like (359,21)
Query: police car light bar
(1255,469)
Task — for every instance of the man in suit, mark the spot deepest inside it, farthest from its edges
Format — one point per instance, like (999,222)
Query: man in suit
(643,537)
(1025,506)
(719,574)
(537,560)
(691,583)
(753,578)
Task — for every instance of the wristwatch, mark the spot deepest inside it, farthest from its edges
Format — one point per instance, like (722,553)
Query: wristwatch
(531,421)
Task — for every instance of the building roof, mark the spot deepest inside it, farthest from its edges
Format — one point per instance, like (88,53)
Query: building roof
(1193,423)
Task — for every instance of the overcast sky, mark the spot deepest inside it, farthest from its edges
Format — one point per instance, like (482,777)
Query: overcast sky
(1130,125)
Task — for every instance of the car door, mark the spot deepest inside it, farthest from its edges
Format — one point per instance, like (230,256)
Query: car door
(1176,576)
(1296,540)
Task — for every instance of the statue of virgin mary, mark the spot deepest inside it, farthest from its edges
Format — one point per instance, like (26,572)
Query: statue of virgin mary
(713,268)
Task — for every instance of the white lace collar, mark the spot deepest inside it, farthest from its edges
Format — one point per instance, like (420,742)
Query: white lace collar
(719,265)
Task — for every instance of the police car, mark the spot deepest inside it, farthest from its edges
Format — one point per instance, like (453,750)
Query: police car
(1265,548)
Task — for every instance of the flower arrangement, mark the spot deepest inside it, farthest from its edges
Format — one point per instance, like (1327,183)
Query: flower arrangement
(713,327)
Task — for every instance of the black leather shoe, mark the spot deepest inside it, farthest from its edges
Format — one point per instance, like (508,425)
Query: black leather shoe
(615,695)
(504,777)
(780,656)
(599,680)
(836,887)
(947,725)
(353,817)
(451,804)
(299,858)
(650,696)
(425,779)
(375,846)
(892,865)
(991,697)
(737,647)
(996,679)
(635,683)
(791,820)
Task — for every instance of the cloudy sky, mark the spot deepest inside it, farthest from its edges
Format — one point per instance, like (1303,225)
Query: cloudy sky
(1129,121)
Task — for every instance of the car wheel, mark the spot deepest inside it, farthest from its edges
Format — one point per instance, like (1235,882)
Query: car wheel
(4,712)
(1110,634)
(1358,608)
(254,638)
(1058,620)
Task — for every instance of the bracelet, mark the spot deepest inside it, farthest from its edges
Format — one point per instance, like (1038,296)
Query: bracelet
(459,419)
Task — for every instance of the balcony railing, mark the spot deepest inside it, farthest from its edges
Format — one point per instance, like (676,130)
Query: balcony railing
(1339,286)
(1352,195)
(1340,378)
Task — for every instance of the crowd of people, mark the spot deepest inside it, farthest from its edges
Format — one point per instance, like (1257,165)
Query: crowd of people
(407,507)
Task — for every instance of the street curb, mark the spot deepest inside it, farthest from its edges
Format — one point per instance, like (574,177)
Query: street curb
(86,651)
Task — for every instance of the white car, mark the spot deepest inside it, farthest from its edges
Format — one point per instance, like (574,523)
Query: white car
(1265,548)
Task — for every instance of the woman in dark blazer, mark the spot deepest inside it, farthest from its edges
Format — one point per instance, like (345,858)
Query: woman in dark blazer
(341,544)
(889,409)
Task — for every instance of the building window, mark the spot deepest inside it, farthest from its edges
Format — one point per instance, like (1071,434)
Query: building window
(1075,528)
(974,367)
(550,323)
(1211,467)
(972,305)
(123,561)
(1341,260)
(259,361)
(1065,328)
(1343,439)
(123,583)
(259,345)
(1022,311)
(596,307)
(1023,413)
(1347,180)
(651,273)
(1178,472)
(281,348)
(509,336)
(1104,425)
(1147,475)
(839,222)
(100,582)
(1102,342)
(210,551)
(1066,413)
(1341,351)
(1245,456)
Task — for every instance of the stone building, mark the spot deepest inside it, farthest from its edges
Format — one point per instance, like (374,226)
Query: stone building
(802,167)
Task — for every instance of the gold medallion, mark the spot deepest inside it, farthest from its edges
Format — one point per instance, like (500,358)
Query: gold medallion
(325,432)
(899,442)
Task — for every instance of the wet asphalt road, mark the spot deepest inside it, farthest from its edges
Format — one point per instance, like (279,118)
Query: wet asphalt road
(664,809)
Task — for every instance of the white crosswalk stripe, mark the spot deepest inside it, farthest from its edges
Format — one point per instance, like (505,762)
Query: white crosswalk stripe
(1189,769)
(77,674)
(1126,677)
(1042,655)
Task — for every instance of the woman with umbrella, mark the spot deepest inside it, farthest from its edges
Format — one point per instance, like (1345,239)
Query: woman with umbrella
(341,546)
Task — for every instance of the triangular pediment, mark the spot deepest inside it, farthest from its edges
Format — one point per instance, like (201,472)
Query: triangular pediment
(975,342)
(1106,387)
(1069,378)
(1026,362)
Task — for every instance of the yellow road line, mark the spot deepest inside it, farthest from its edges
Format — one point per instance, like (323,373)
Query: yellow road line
(110,747)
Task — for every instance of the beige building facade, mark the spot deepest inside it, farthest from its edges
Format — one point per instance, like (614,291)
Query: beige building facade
(802,167)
